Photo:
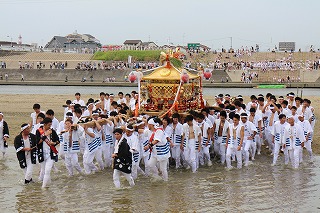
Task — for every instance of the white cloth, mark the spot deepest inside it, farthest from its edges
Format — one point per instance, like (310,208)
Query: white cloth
(116,178)
(81,102)
(71,161)
(45,171)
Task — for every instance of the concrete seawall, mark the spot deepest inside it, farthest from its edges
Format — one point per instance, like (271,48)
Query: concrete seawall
(60,75)
(57,78)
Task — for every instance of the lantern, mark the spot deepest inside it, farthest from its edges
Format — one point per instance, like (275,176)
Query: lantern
(185,77)
(207,75)
(132,77)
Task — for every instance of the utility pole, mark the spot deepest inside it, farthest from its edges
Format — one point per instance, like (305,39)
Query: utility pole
(231,41)
(11,42)
(183,36)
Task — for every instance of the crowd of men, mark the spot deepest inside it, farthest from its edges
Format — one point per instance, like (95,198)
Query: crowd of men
(109,132)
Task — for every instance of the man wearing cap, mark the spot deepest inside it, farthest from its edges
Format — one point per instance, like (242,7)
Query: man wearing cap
(160,151)
(25,144)
(122,163)
(250,132)
(4,135)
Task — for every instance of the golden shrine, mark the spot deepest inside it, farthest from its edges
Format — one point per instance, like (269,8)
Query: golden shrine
(168,89)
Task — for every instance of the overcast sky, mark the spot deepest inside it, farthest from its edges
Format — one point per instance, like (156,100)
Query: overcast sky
(211,22)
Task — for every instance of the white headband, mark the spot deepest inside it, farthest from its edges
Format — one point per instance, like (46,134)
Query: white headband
(139,124)
(1,113)
(152,122)
(129,129)
(24,127)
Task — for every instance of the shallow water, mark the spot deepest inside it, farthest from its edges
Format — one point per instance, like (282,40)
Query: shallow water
(258,187)
(63,90)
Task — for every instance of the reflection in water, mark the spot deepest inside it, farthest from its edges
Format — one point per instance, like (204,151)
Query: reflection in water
(259,187)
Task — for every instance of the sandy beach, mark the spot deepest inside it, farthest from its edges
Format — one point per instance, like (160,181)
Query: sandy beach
(17,109)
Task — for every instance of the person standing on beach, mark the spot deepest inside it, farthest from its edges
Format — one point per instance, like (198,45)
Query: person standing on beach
(55,122)
(34,115)
(78,100)
(25,144)
(47,139)
(4,135)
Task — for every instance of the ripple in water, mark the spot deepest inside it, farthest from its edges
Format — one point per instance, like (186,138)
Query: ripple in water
(258,187)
